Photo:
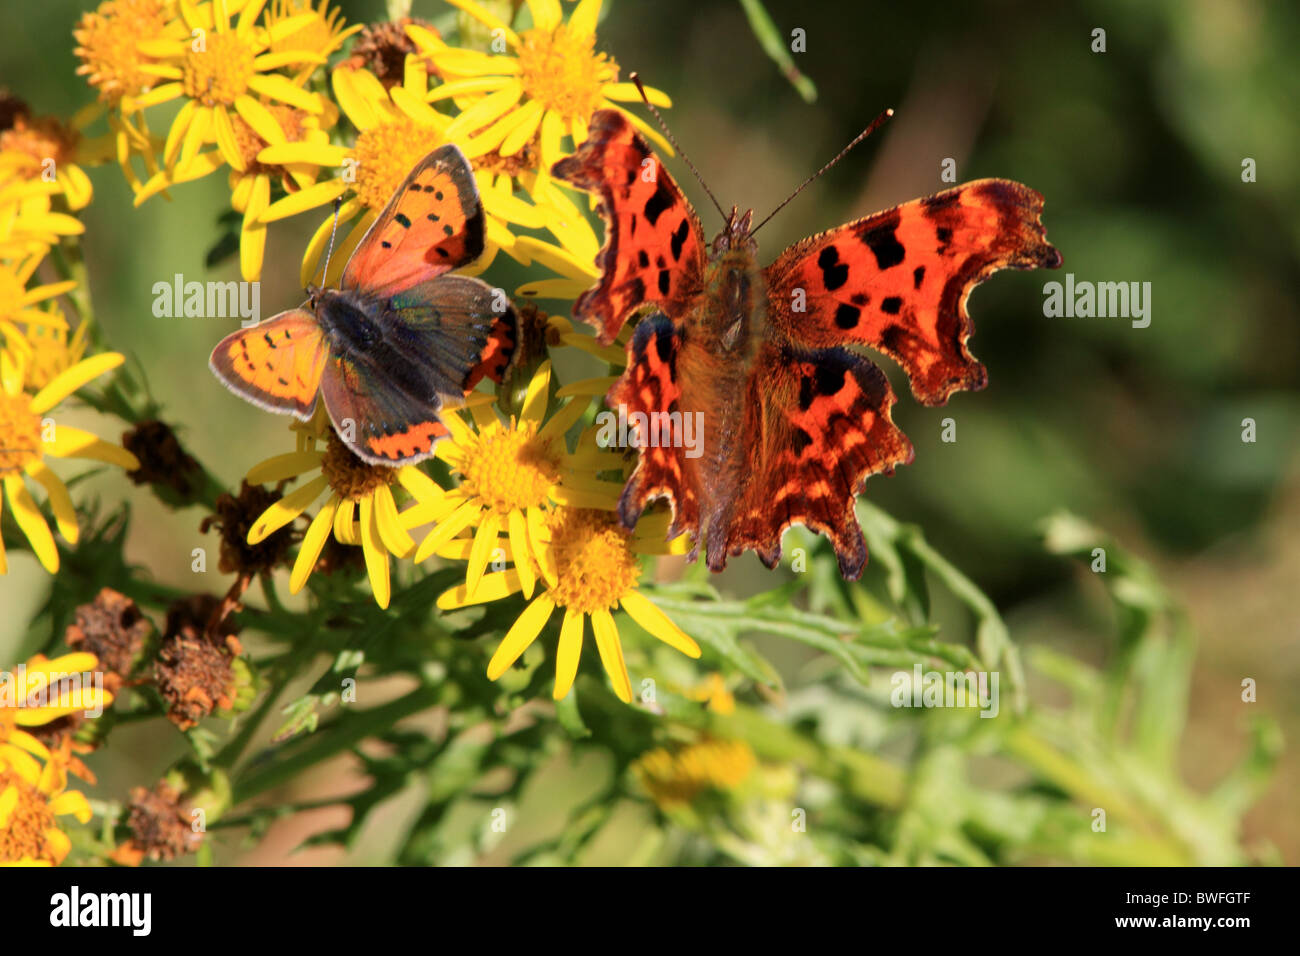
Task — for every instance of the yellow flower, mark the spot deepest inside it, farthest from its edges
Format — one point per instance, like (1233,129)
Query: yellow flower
(256,128)
(47,351)
(511,473)
(397,129)
(590,566)
(715,695)
(33,779)
(318,29)
(108,45)
(27,224)
(45,148)
(19,304)
(675,777)
(33,794)
(218,70)
(27,436)
(353,486)
(547,88)
(56,700)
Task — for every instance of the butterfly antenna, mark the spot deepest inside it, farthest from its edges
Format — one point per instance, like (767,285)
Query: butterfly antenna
(338,202)
(667,132)
(875,125)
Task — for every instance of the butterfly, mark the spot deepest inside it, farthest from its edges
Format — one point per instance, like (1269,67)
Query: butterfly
(793,420)
(398,337)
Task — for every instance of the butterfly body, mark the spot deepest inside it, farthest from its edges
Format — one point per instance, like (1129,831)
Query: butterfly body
(399,337)
(794,420)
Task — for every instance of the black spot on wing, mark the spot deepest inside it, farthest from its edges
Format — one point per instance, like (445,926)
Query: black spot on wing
(657,204)
(830,378)
(664,278)
(800,439)
(402,220)
(834,272)
(891,305)
(846,316)
(941,201)
(883,242)
(918,274)
(679,238)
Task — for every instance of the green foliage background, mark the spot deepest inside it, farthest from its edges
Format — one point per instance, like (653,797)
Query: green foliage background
(1131,679)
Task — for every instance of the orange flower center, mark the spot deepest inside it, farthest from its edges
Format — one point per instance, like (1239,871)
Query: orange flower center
(509,470)
(23,833)
(219,73)
(106,45)
(39,140)
(348,475)
(249,143)
(20,433)
(593,563)
(386,153)
(562,71)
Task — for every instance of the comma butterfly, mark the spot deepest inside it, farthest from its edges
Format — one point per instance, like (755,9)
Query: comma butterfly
(794,422)
(398,337)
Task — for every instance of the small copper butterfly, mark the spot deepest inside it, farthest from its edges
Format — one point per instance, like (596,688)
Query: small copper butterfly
(398,337)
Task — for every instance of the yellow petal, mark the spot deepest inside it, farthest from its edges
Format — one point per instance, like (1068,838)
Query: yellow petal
(568,653)
(286,510)
(538,394)
(521,634)
(312,543)
(547,14)
(72,442)
(628,93)
(282,467)
(226,143)
(376,557)
(318,154)
(490,20)
(611,653)
(485,111)
(391,533)
(530,117)
(280,88)
(448,528)
(32,523)
(69,380)
(360,111)
(320,194)
(493,587)
(640,609)
(521,552)
(345,526)
(259,118)
(65,515)
(485,542)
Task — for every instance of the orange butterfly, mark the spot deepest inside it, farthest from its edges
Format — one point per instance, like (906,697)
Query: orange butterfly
(398,337)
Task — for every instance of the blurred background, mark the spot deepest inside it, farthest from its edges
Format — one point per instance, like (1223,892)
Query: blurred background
(1139,152)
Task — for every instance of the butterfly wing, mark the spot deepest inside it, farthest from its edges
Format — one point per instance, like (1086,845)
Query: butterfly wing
(397,360)
(813,425)
(650,387)
(898,281)
(434,223)
(654,248)
(821,424)
(276,364)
